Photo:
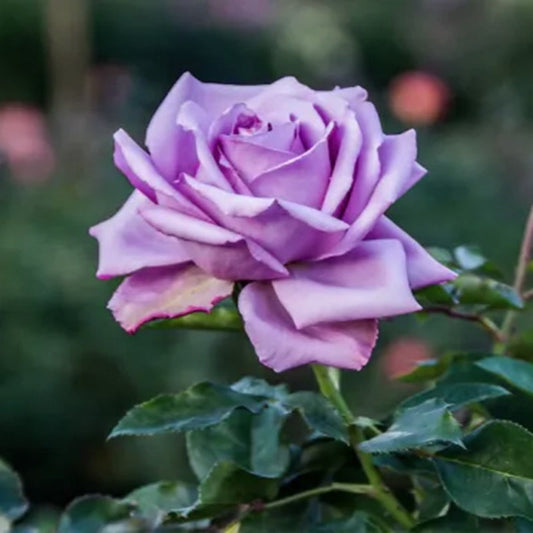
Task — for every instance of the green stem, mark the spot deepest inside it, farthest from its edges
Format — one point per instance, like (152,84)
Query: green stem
(339,487)
(331,391)
(520,278)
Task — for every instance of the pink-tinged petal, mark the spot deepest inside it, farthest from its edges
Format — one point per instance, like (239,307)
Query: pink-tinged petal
(165,292)
(422,268)
(342,177)
(289,231)
(368,167)
(137,166)
(223,253)
(127,243)
(302,179)
(397,155)
(170,145)
(280,346)
(369,282)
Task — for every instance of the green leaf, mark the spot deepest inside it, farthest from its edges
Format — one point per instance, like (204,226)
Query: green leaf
(359,522)
(434,368)
(259,387)
(457,394)
(250,441)
(469,257)
(493,476)
(227,484)
(456,521)
(522,525)
(432,501)
(515,372)
(319,414)
(290,519)
(436,295)
(156,500)
(296,518)
(90,514)
(220,318)
(13,503)
(472,289)
(417,427)
(440,254)
(200,406)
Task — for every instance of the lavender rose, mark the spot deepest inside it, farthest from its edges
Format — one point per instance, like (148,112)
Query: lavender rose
(281,188)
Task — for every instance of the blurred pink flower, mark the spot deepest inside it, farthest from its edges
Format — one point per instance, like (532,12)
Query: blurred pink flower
(402,356)
(418,97)
(24,143)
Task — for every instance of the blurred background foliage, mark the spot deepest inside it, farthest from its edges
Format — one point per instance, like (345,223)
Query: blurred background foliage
(73,71)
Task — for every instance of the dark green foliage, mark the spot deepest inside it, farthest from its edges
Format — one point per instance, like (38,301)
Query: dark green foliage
(429,422)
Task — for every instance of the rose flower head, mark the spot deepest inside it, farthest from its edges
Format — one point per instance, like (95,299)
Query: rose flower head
(280,188)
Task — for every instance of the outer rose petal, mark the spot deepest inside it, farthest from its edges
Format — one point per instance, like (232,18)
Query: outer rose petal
(137,166)
(289,231)
(127,243)
(397,155)
(164,132)
(422,269)
(368,282)
(281,346)
(165,292)
(222,253)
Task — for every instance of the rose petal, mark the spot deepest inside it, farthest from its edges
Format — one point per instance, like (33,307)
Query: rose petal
(280,346)
(222,253)
(169,144)
(137,166)
(422,268)
(369,282)
(287,100)
(127,243)
(368,165)
(249,159)
(193,119)
(342,178)
(353,95)
(302,179)
(289,231)
(397,155)
(165,292)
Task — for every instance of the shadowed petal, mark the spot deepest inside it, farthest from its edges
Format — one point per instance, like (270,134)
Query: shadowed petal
(302,179)
(128,243)
(288,230)
(342,177)
(280,346)
(221,252)
(397,155)
(422,269)
(368,282)
(165,292)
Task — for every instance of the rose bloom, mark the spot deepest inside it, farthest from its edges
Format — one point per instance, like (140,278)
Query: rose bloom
(282,189)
